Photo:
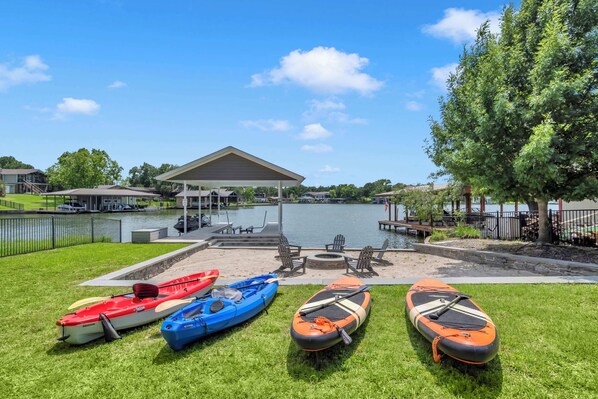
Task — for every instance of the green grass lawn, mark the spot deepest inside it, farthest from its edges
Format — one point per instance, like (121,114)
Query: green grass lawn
(548,344)
(33,202)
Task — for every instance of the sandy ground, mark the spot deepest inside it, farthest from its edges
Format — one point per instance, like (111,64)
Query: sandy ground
(241,263)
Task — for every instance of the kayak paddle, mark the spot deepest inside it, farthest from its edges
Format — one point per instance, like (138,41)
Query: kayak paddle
(439,312)
(340,298)
(176,302)
(86,301)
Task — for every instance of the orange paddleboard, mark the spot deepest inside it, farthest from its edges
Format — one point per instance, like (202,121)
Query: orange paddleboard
(331,315)
(452,322)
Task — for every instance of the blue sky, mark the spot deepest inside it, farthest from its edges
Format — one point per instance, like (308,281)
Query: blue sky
(338,91)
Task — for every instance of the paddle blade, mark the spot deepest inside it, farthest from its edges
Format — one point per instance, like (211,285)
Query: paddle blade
(346,338)
(86,301)
(172,304)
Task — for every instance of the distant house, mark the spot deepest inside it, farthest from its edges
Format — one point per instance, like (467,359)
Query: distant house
(318,196)
(226,197)
(260,198)
(24,181)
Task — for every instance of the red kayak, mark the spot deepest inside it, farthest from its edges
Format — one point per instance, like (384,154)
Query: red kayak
(133,309)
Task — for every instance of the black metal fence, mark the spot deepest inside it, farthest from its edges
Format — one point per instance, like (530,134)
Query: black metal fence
(575,227)
(11,204)
(24,235)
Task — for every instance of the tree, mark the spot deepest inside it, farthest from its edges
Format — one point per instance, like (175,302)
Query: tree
(9,162)
(83,169)
(165,188)
(2,189)
(377,187)
(143,176)
(520,119)
(249,194)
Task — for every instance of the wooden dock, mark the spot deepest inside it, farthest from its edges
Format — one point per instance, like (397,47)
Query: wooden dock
(402,227)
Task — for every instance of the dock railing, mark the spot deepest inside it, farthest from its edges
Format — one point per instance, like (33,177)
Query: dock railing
(25,235)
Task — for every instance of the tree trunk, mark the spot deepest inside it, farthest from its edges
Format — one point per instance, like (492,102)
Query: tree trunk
(543,225)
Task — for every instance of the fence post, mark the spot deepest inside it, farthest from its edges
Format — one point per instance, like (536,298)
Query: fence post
(120,230)
(550,232)
(497,226)
(92,232)
(53,234)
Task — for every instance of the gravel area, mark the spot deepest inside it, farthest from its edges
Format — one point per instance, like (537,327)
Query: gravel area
(241,263)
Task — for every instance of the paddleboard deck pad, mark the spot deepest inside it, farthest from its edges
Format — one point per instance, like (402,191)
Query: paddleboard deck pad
(323,328)
(452,322)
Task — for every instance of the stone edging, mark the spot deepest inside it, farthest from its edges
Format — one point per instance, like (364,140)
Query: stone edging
(537,265)
(149,268)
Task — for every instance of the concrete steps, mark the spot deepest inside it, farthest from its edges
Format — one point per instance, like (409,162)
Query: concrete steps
(231,240)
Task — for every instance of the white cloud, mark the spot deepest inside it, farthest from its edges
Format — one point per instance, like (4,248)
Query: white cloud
(267,125)
(441,74)
(314,131)
(326,105)
(330,110)
(460,25)
(117,84)
(329,169)
(318,148)
(76,106)
(417,94)
(413,106)
(322,69)
(341,117)
(32,71)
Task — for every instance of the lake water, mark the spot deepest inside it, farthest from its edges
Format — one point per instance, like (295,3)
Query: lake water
(310,225)
(304,224)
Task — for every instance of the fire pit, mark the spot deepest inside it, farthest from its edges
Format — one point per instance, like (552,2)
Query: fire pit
(327,260)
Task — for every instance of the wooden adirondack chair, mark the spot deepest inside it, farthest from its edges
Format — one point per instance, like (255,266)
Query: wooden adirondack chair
(363,262)
(338,245)
(288,262)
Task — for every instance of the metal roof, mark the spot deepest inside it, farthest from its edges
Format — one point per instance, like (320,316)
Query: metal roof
(18,171)
(115,192)
(231,167)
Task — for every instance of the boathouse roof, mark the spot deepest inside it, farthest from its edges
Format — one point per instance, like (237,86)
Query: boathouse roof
(231,167)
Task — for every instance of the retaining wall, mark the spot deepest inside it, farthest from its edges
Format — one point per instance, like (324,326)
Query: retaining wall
(549,267)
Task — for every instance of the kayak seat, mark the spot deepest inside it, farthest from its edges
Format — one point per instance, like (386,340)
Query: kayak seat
(144,290)
(216,306)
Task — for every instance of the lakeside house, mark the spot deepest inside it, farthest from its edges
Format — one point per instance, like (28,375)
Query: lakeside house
(24,181)
(193,196)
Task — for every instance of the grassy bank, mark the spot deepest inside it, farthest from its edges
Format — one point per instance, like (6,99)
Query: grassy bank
(32,202)
(547,344)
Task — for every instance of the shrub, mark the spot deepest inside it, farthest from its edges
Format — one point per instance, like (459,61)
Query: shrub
(466,232)
(439,236)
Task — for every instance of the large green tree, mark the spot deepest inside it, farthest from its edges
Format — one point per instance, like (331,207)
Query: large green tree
(519,121)
(10,162)
(83,169)
(143,176)
(165,188)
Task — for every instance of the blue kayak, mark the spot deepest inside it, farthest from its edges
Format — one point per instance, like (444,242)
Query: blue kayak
(222,308)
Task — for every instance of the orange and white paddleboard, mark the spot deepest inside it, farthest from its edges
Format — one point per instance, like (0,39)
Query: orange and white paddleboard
(331,315)
(453,322)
